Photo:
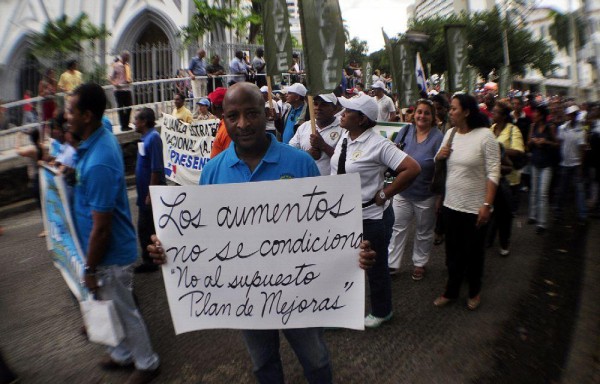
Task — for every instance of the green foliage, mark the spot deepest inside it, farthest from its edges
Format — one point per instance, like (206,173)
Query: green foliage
(380,60)
(356,50)
(204,20)
(97,74)
(560,30)
(484,33)
(61,37)
(245,19)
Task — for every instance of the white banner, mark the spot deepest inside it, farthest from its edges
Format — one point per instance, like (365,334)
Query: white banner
(186,148)
(264,255)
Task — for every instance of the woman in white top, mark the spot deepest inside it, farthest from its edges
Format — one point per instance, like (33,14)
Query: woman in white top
(363,151)
(473,160)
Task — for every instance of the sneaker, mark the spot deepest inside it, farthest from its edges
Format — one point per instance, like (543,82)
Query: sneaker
(474,303)
(140,376)
(108,364)
(418,273)
(374,322)
(441,301)
(504,252)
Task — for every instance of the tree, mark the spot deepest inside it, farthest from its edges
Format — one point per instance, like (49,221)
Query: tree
(560,29)
(356,50)
(61,37)
(205,19)
(247,19)
(483,31)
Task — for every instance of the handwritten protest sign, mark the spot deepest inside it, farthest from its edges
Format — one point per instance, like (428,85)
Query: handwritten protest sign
(186,148)
(62,241)
(264,255)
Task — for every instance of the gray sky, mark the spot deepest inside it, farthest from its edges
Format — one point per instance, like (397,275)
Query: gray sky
(365,18)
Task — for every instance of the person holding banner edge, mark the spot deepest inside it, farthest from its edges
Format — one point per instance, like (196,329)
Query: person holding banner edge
(361,150)
(253,156)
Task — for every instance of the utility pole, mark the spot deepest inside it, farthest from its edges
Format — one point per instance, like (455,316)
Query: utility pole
(505,70)
(573,48)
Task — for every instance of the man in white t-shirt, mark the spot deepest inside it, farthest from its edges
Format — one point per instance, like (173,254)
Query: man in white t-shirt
(272,109)
(387,110)
(321,144)
(572,138)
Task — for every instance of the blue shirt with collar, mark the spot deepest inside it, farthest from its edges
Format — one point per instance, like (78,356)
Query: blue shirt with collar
(281,161)
(150,162)
(198,66)
(290,122)
(100,186)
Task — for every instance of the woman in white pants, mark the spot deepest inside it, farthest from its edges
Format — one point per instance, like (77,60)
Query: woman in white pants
(421,141)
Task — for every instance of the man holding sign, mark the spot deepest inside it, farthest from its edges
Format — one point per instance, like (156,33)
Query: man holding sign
(258,156)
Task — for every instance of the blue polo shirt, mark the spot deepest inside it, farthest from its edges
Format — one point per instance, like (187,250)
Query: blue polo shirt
(100,187)
(151,162)
(290,122)
(281,161)
(198,66)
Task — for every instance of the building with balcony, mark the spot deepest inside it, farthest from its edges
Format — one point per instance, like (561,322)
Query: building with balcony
(422,9)
(579,76)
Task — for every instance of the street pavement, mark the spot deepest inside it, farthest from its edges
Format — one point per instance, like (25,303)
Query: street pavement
(539,321)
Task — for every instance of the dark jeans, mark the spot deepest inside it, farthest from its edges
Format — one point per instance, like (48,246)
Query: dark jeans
(464,252)
(502,218)
(571,176)
(380,282)
(307,343)
(124,99)
(145,230)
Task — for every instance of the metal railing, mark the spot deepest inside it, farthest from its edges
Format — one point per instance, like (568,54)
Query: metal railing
(155,94)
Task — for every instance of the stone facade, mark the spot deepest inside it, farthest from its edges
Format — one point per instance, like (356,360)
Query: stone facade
(129,22)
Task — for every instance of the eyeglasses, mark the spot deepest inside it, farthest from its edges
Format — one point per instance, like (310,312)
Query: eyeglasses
(426,101)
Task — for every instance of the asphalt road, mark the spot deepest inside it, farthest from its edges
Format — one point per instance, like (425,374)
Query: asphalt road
(538,323)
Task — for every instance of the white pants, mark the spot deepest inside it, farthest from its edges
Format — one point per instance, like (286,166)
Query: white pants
(199,88)
(424,214)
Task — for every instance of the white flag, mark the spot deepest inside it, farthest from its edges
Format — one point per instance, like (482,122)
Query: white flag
(420,73)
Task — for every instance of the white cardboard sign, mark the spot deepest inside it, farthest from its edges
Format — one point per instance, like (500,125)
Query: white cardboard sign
(264,255)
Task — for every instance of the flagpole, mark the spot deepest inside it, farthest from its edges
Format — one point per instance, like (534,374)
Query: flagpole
(270,92)
(311,111)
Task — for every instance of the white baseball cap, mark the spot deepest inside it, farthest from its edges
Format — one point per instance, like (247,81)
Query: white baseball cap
(363,103)
(328,98)
(378,84)
(571,109)
(264,89)
(297,88)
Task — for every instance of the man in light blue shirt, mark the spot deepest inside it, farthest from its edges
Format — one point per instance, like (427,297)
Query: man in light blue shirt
(198,68)
(238,67)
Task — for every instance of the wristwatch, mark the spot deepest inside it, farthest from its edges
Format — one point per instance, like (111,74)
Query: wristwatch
(382,195)
(490,206)
(89,270)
